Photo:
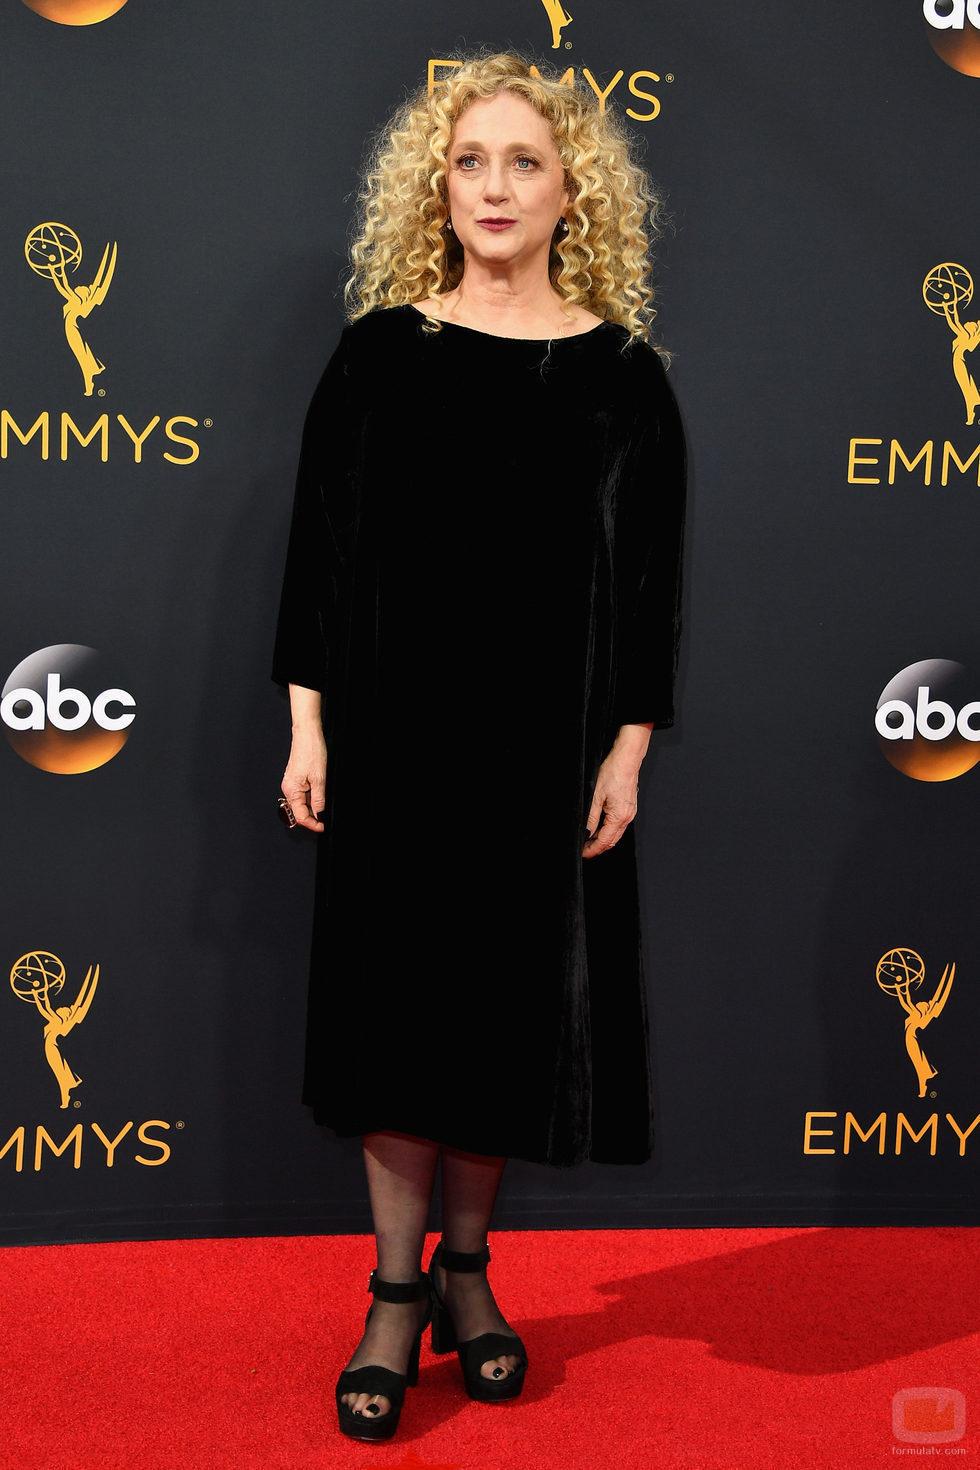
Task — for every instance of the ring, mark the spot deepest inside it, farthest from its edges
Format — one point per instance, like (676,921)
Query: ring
(286,812)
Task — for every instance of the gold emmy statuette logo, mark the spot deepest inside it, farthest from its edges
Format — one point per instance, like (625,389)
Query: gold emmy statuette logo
(559,18)
(945,289)
(53,250)
(899,972)
(35,978)
(75,12)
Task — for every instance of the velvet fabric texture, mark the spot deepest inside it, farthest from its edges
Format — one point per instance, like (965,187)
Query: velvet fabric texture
(483,579)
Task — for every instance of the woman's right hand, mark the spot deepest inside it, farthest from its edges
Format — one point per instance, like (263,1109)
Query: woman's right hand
(305,777)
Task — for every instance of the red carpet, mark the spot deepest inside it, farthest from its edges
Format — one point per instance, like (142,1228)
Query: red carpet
(736,1349)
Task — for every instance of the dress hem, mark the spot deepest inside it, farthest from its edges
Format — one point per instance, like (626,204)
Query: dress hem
(445,1140)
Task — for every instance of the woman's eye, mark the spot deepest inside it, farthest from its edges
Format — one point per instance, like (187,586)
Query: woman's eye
(526,164)
(466,162)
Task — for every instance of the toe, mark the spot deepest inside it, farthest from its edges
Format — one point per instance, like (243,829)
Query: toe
(367,1406)
(499,1368)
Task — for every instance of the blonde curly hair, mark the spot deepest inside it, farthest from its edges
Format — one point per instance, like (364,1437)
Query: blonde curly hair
(405,254)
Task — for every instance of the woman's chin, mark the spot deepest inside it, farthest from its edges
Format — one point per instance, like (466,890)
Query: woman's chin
(504,249)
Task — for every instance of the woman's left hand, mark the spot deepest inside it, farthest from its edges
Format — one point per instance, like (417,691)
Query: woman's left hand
(614,803)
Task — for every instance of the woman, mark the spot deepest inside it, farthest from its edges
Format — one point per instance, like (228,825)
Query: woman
(479,621)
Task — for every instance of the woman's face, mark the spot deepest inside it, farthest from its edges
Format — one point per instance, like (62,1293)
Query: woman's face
(506,184)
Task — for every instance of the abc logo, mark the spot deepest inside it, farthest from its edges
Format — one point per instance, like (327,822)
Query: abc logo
(954,30)
(62,712)
(928,725)
(75,12)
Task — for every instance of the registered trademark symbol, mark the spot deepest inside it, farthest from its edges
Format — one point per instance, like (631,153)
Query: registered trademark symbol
(932,1094)
(568,45)
(77,1104)
(101,392)
(178,1124)
(209,423)
(669,77)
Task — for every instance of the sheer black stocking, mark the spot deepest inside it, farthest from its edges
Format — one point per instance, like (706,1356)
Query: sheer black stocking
(469,1192)
(400,1173)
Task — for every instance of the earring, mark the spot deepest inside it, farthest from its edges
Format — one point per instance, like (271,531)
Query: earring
(562,228)
(449,224)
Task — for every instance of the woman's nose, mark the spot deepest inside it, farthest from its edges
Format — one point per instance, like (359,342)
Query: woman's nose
(496,183)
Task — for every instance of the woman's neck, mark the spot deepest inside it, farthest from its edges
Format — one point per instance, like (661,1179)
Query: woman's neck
(510,306)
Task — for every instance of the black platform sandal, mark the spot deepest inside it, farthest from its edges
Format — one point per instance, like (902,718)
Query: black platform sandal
(477,1350)
(372,1378)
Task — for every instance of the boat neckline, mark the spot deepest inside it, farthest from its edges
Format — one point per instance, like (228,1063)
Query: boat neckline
(494,336)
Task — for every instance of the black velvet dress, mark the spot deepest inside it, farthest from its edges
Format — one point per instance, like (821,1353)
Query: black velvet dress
(482,578)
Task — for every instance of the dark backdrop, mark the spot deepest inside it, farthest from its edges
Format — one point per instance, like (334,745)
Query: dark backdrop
(819,163)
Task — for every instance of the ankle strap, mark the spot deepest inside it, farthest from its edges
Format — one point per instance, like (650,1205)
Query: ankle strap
(463,1260)
(398,1291)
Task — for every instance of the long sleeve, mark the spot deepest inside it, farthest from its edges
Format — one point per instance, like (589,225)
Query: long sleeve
(648,547)
(321,534)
